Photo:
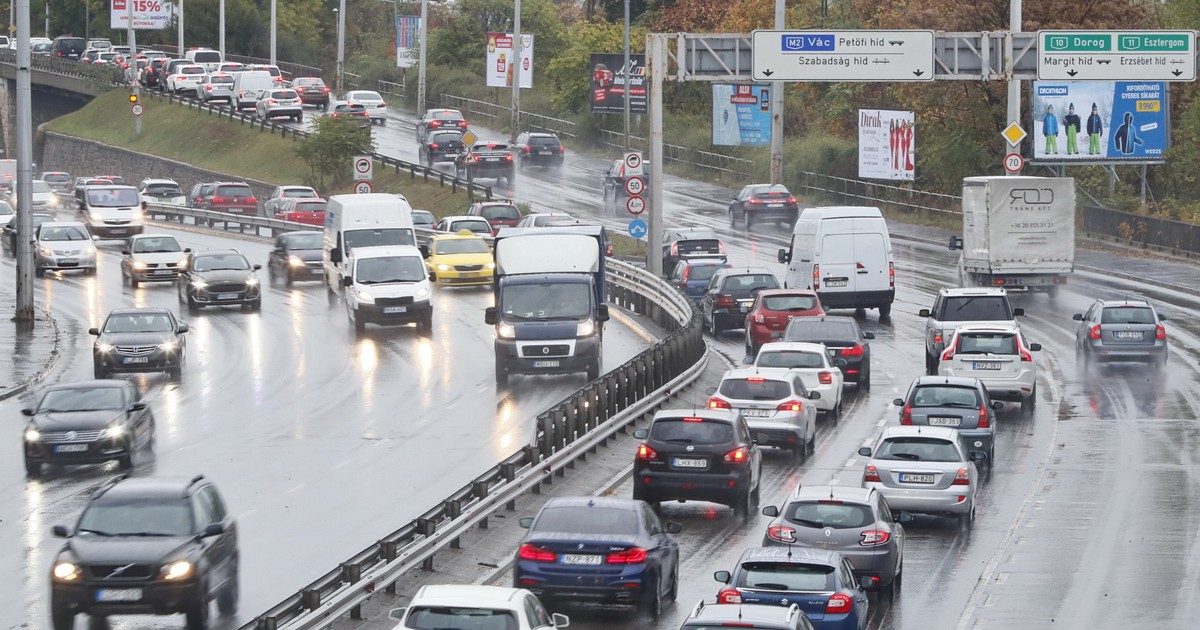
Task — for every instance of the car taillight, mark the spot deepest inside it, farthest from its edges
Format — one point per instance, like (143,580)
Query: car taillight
(874,538)
(729,596)
(462,123)
(535,553)
(1025,354)
(435,123)
(816,279)
(1094,332)
(434,146)
(508,157)
(687,272)
(1160,332)
(324,90)
(526,149)
(938,338)
(790,405)
(562,150)
(646,453)
(675,248)
(718,403)
(739,455)
(853,351)
(963,478)
(760,319)
(781,533)
(839,604)
(251,199)
(633,555)
(892,275)
(985,420)
(754,201)
(825,378)
(208,88)
(871,474)
(218,200)
(791,200)
(723,301)
(906,415)
(272,101)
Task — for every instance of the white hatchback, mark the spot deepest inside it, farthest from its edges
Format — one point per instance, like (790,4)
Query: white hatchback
(998,356)
(476,606)
(811,362)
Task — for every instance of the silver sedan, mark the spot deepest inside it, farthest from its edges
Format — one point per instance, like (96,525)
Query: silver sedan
(777,407)
(923,470)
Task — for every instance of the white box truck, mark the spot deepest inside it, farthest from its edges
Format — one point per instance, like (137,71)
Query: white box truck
(1018,233)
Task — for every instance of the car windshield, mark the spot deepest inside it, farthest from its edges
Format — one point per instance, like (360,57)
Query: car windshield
(692,431)
(39,186)
(785,576)
(806,329)
(1127,315)
(789,302)
(82,399)
(977,308)
(461,246)
(544,141)
(790,359)
(137,517)
(163,190)
(138,323)
(5,209)
(754,388)
(112,197)
(422,217)
(303,241)
(546,301)
(389,269)
(587,520)
(446,137)
(986,343)
(833,514)
(233,191)
(155,245)
(500,212)
(365,95)
(945,396)
(749,282)
(459,618)
(918,449)
(68,233)
(372,238)
(478,227)
(220,262)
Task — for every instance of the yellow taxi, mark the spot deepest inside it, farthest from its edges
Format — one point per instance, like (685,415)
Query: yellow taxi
(461,258)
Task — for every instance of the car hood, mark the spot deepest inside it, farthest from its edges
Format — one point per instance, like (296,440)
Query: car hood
(481,258)
(160,258)
(76,420)
(308,255)
(391,290)
(224,275)
(135,338)
(122,550)
(76,247)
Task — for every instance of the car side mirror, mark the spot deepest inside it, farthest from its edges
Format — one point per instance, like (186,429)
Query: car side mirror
(559,620)
(641,434)
(95,332)
(424,251)
(840,363)
(125,252)
(257,267)
(526,522)
(904,518)
(397,614)
(137,406)
(956,242)
(814,395)
(1079,317)
(977,456)
(865,451)
(489,316)
(1034,347)
(1018,312)
(60,531)
(899,402)
(674,528)
(997,405)
(784,256)
(1162,318)
(923,313)
(868,335)
(182,328)
(602,313)
(771,511)
(335,255)
(214,529)
(187,250)
(710,391)
(28,411)
(348,281)
(722,577)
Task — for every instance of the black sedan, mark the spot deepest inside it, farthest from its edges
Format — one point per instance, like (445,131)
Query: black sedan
(441,146)
(219,278)
(758,203)
(297,256)
(139,340)
(87,423)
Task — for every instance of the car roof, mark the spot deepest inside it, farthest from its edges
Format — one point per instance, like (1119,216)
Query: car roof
(464,217)
(944,433)
(774,374)
(63,224)
(971,291)
(1120,303)
(498,202)
(695,412)
(149,182)
(139,310)
(384,251)
(686,233)
(468,596)
(89,384)
(995,328)
(771,292)
(745,271)
(455,236)
(217,252)
(793,346)
(824,318)
(750,613)
(146,488)
(594,502)
(836,493)
(806,555)
(693,262)
(959,381)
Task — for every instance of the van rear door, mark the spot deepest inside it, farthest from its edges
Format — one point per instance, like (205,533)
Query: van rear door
(835,270)
(871,255)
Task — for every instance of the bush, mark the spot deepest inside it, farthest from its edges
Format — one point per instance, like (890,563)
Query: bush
(328,152)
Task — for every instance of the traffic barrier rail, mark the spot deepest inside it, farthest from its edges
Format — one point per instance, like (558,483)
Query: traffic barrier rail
(1176,236)
(287,68)
(100,72)
(567,432)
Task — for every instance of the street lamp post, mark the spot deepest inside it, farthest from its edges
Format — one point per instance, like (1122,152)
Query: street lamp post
(424,32)
(273,26)
(24,183)
(179,25)
(340,12)
(221,28)
(516,81)
(628,78)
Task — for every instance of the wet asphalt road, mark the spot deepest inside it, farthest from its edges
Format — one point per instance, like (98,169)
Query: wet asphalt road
(319,442)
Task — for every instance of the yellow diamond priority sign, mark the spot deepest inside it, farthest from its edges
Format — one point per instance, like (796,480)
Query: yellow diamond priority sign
(1013,133)
(469,138)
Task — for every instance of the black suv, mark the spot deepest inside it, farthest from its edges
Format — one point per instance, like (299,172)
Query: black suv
(147,339)
(539,149)
(730,295)
(147,547)
(701,455)
(67,47)
(843,339)
(87,423)
(441,146)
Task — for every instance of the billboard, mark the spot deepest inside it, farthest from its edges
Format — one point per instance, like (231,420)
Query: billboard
(741,115)
(148,15)
(1100,121)
(500,69)
(408,29)
(887,143)
(608,83)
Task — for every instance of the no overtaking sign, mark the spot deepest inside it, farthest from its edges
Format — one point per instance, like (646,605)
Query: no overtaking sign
(364,168)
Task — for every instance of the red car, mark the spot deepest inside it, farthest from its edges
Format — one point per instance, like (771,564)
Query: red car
(307,211)
(231,197)
(768,316)
(498,213)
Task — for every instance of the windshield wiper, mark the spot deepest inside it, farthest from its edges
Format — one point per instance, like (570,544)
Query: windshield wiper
(908,456)
(770,585)
(97,532)
(807,523)
(146,534)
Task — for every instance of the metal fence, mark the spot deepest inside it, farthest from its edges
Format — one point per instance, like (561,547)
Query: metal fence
(66,67)
(1176,236)
(858,191)
(288,68)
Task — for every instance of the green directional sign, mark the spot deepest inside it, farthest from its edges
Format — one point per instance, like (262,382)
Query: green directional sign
(1117,55)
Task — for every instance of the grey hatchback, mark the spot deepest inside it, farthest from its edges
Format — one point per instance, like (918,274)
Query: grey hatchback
(1121,330)
(956,402)
(713,616)
(854,521)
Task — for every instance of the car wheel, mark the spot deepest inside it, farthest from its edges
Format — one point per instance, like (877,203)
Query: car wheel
(732,219)
(62,618)
(1052,293)
(176,373)
(864,382)
(750,350)
(965,520)
(192,306)
(593,371)
(931,365)
(501,373)
(227,598)
(360,326)
(811,445)
(125,462)
(717,328)
(133,281)
(742,508)
(33,470)
(652,600)
(98,371)
(425,326)
(1029,403)
(885,311)
(888,594)
(197,614)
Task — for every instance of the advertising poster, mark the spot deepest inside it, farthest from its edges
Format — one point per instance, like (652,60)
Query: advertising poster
(741,115)
(500,66)
(887,144)
(1099,121)
(609,79)
(408,29)
(148,15)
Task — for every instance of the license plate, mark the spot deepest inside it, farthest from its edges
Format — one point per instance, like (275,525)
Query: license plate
(985,365)
(137,359)
(118,594)
(162,272)
(580,558)
(774,205)
(68,261)
(391,310)
(71,448)
(227,296)
(544,153)
(943,421)
(491,159)
(756,413)
(546,364)
(687,462)
(1127,334)
(836,282)
(915,478)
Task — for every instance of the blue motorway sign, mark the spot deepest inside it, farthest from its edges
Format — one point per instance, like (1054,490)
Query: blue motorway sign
(638,228)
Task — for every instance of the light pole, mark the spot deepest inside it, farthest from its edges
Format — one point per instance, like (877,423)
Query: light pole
(179,25)
(273,14)
(221,28)
(133,79)
(46,29)
(777,111)
(24,314)
(516,82)
(340,12)
(424,32)
(625,91)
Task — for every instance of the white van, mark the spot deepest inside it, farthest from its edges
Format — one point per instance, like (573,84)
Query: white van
(845,254)
(371,220)
(388,285)
(207,57)
(247,85)
(112,211)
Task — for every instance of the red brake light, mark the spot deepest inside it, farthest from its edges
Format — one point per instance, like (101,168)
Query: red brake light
(251,199)
(462,123)
(938,338)
(633,555)
(1160,332)
(218,200)
(755,201)
(1025,354)
(906,415)
(816,279)
(738,455)
(963,478)
(687,271)
(435,123)
(985,420)
(508,157)
(325,90)
(871,474)
(526,150)
(790,405)
(825,378)
(874,538)
(839,603)
(729,596)
(755,379)
(675,248)
(948,353)
(718,403)
(1094,332)
(791,199)
(759,318)
(562,150)
(892,275)
(693,419)
(646,453)
(724,301)
(853,351)
(781,533)
(208,88)
(535,553)
(433,145)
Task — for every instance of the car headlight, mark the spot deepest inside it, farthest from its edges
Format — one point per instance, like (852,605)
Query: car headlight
(46,251)
(66,571)
(363,296)
(104,347)
(422,294)
(137,264)
(490,265)
(252,282)
(114,431)
(295,261)
(169,346)
(505,331)
(443,267)
(89,250)
(96,216)
(199,284)
(32,434)
(178,570)
(585,328)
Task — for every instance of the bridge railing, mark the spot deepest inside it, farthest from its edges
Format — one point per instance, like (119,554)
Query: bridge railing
(99,72)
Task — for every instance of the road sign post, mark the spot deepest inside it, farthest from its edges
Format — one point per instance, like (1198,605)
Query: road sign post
(364,168)
(633,163)
(1116,55)
(842,55)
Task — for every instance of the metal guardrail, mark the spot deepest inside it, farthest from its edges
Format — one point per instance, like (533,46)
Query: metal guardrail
(427,174)
(566,432)
(65,67)
(858,191)
(287,68)
(1176,236)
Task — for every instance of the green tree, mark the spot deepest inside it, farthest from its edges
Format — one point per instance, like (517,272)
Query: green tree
(328,152)
(461,40)
(568,72)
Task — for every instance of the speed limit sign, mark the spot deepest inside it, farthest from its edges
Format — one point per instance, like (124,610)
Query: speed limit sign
(635,186)
(362,188)
(364,168)
(1013,163)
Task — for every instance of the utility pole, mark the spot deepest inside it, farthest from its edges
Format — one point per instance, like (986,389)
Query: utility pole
(340,12)
(46,29)
(179,25)
(133,78)
(273,15)
(777,110)
(424,32)
(1014,85)
(221,28)
(656,54)
(628,78)
(516,75)
(24,183)
(87,21)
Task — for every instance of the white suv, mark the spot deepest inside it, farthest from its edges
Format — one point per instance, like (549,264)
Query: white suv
(957,307)
(470,606)
(999,357)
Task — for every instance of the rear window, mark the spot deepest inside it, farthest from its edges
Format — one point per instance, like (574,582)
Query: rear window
(785,576)
(310,206)
(447,116)
(500,212)
(209,56)
(479,227)
(749,282)
(790,359)
(833,514)
(192,70)
(986,343)
(945,396)
(163,190)
(979,308)
(57,178)
(802,329)
(688,432)
(221,78)
(789,302)
(281,94)
(544,141)
(440,617)
(446,136)
(234,191)
(754,388)
(918,449)
(1127,315)
(771,191)
(704,272)
(587,520)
